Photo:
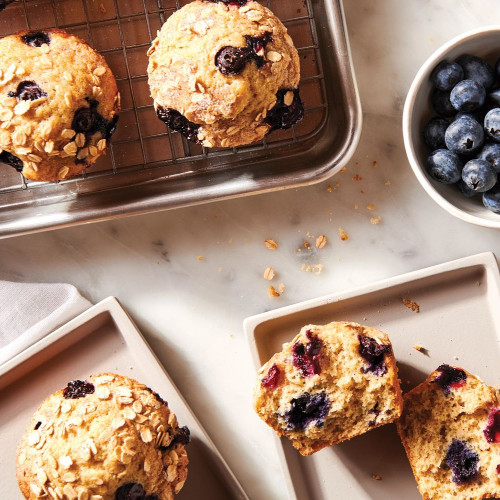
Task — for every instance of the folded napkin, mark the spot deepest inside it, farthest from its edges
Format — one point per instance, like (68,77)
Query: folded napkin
(29,311)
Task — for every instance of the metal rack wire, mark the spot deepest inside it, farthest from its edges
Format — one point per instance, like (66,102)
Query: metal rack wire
(122,30)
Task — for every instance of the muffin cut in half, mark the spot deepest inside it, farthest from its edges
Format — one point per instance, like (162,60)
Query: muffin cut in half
(450,428)
(329,384)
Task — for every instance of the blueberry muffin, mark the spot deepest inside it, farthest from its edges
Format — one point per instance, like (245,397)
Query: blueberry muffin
(105,438)
(225,73)
(450,428)
(59,104)
(329,384)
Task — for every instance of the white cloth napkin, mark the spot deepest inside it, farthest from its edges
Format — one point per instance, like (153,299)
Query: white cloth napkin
(29,311)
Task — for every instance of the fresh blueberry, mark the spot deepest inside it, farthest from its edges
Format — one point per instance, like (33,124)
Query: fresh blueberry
(446,75)
(494,96)
(374,353)
(491,153)
(479,175)
(434,132)
(467,96)
(492,124)
(232,60)
(133,491)
(441,103)
(28,91)
(36,38)
(465,190)
(477,69)
(179,123)
(11,160)
(283,116)
(4,3)
(491,199)
(462,461)
(272,379)
(444,166)
(477,115)
(464,135)
(78,389)
(306,357)
(492,430)
(450,378)
(307,409)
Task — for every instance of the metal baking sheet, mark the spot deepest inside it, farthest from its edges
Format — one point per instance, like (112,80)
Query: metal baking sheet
(148,168)
(101,339)
(458,323)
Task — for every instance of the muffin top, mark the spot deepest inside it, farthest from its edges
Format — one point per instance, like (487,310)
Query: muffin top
(58,104)
(225,73)
(105,438)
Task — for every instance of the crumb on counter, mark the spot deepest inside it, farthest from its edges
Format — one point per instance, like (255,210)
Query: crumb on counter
(371,206)
(306,244)
(343,170)
(269,274)
(375,164)
(321,241)
(387,183)
(376,220)
(376,477)
(271,291)
(413,306)
(200,258)
(271,244)
(281,288)
(343,235)
(357,177)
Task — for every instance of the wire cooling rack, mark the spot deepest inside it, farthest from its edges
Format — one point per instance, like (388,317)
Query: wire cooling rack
(122,30)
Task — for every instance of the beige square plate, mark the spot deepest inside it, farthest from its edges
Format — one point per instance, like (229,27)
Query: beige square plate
(458,323)
(102,338)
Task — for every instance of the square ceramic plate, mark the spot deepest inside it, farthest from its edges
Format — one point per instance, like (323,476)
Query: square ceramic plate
(102,338)
(458,323)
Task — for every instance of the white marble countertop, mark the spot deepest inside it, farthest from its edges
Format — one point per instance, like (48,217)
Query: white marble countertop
(191,310)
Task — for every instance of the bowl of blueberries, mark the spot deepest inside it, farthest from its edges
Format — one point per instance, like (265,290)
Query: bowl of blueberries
(451,126)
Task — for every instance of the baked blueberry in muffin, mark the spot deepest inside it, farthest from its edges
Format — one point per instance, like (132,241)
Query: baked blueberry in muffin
(329,384)
(105,438)
(59,104)
(225,73)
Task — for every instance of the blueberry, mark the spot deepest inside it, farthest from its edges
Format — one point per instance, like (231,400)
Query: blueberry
(465,190)
(477,69)
(494,96)
(182,436)
(492,124)
(306,357)
(179,123)
(491,199)
(11,160)
(477,115)
(450,378)
(78,389)
(231,60)
(446,75)
(272,379)
(4,3)
(491,153)
(434,132)
(36,38)
(464,135)
(133,491)
(444,166)
(441,103)
(157,396)
(479,175)
(492,430)
(462,461)
(467,95)
(283,116)
(374,353)
(28,91)
(307,409)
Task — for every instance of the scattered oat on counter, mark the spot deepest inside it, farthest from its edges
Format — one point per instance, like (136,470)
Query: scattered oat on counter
(200,258)
(271,244)
(387,183)
(376,477)
(376,220)
(411,305)
(321,241)
(421,349)
(343,234)
(271,291)
(281,288)
(357,177)
(371,206)
(306,244)
(269,273)
(344,169)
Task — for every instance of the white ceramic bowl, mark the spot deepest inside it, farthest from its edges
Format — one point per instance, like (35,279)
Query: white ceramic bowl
(483,42)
